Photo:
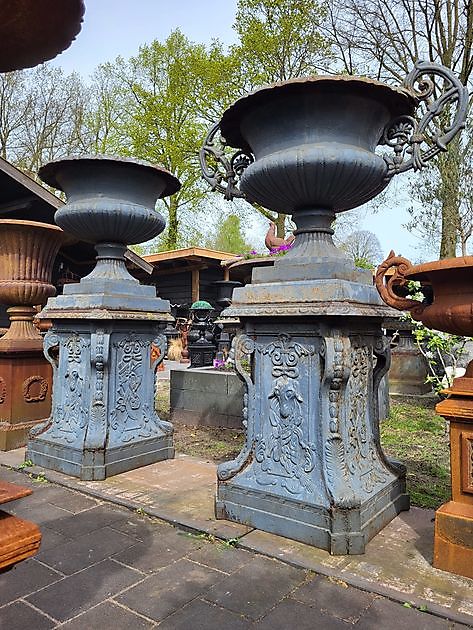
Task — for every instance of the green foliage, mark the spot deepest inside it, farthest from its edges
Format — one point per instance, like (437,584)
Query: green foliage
(441,350)
(280,39)
(229,237)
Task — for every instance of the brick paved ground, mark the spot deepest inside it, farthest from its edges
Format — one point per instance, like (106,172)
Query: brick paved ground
(101,566)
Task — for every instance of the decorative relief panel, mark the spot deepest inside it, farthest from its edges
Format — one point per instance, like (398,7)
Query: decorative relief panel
(70,413)
(284,453)
(467,461)
(133,415)
(35,389)
(361,453)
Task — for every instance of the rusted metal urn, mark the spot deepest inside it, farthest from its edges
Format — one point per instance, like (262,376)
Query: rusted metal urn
(27,253)
(34,31)
(312,467)
(448,308)
(106,339)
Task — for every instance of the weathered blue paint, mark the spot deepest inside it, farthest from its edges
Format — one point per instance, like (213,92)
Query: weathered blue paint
(106,329)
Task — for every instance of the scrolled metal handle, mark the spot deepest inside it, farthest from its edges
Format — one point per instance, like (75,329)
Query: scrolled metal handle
(386,290)
(221,168)
(422,139)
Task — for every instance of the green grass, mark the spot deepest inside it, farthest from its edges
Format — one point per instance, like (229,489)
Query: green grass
(417,437)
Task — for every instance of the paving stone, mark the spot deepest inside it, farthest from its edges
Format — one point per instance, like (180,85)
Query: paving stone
(200,615)
(140,527)
(344,602)
(73,501)
(388,615)
(74,525)
(256,588)
(159,551)
(292,614)
(79,592)
(168,590)
(42,513)
(25,578)
(220,556)
(49,539)
(89,549)
(108,615)
(20,615)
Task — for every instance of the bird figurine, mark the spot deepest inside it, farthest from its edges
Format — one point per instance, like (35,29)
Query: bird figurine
(272,241)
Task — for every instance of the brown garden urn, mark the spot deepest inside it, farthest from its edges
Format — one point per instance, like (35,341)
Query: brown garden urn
(27,253)
(450,309)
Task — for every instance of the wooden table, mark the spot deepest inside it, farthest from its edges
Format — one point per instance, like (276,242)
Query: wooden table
(19,539)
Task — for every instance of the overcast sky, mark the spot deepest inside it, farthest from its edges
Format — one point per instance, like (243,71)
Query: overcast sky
(119,27)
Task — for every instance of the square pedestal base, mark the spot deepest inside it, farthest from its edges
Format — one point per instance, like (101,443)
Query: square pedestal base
(453,541)
(99,464)
(336,530)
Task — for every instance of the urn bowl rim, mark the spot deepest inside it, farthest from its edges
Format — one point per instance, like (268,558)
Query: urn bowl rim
(48,172)
(422,271)
(36,224)
(399,100)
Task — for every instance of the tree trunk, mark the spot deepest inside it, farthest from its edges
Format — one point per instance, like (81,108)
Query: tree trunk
(281,226)
(173,225)
(449,172)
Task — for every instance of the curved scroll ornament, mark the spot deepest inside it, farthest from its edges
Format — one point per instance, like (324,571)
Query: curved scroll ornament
(414,141)
(386,291)
(50,343)
(242,347)
(220,168)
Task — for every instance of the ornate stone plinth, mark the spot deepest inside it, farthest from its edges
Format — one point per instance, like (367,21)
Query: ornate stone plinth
(453,541)
(312,468)
(103,418)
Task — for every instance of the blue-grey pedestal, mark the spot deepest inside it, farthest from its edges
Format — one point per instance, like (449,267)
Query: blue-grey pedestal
(312,468)
(104,347)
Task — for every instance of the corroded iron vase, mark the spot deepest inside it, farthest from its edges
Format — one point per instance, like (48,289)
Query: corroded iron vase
(27,253)
(106,339)
(448,287)
(312,467)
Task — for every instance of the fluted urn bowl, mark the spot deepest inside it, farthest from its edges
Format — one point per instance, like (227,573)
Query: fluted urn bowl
(27,253)
(314,141)
(109,199)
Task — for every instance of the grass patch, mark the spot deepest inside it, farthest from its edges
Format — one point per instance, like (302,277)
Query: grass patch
(417,437)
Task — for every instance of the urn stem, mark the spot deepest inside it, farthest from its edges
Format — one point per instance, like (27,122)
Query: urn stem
(314,234)
(21,328)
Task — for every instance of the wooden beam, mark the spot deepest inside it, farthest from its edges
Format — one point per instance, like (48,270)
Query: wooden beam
(195,285)
(175,270)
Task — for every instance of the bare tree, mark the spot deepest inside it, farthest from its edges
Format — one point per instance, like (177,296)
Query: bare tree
(383,39)
(363,247)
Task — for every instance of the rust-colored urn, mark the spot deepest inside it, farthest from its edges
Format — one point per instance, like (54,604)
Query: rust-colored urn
(448,307)
(27,253)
